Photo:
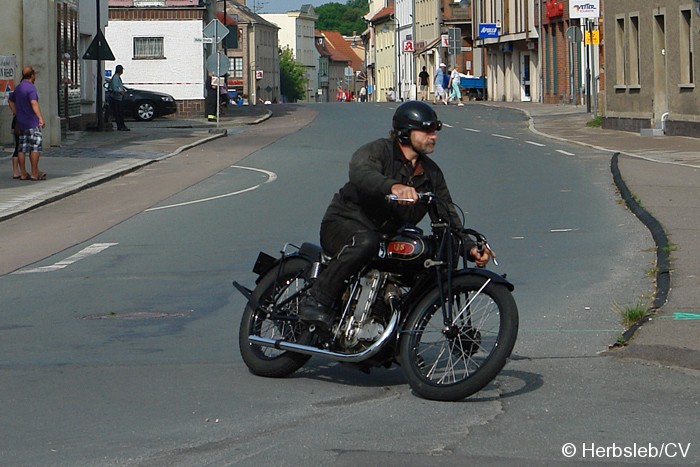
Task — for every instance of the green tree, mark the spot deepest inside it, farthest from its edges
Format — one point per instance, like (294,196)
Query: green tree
(292,76)
(345,19)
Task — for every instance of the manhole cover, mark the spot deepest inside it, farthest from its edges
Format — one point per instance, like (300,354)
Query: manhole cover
(140,315)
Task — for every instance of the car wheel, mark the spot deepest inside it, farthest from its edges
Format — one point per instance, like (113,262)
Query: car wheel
(145,111)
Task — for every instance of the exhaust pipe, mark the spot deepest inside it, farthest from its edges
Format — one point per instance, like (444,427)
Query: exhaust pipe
(340,357)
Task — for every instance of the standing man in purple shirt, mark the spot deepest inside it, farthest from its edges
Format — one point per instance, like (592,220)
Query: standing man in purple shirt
(24,102)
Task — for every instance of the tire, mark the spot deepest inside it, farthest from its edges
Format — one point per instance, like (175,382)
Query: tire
(272,289)
(451,365)
(145,111)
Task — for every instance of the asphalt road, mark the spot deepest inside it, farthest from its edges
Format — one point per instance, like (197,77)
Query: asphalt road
(122,348)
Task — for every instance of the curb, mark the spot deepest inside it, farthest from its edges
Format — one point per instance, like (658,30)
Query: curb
(663,273)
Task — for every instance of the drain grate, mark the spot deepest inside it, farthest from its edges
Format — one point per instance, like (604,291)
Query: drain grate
(140,315)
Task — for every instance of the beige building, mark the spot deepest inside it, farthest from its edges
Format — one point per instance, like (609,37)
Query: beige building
(383,51)
(296,31)
(651,70)
(254,65)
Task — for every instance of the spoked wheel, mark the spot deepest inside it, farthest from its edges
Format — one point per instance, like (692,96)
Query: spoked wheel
(450,363)
(278,293)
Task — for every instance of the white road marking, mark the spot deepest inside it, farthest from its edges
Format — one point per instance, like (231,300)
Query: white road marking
(501,136)
(447,125)
(82,254)
(562,230)
(271,177)
(473,130)
(535,144)
(565,152)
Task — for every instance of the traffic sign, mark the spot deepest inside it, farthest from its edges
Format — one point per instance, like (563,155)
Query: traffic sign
(204,40)
(217,63)
(574,34)
(216,30)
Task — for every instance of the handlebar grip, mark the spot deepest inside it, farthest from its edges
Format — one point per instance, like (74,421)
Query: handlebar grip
(424,197)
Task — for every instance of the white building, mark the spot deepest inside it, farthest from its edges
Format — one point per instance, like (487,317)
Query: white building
(157,48)
(297,32)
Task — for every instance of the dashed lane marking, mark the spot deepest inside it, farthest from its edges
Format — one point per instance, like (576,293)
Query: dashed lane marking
(82,254)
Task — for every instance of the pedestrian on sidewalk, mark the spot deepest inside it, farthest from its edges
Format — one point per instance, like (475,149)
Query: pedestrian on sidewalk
(16,173)
(24,103)
(439,87)
(423,77)
(116,97)
(455,91)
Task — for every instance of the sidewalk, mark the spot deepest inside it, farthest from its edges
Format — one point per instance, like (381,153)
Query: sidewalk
(87,158)
(663,173)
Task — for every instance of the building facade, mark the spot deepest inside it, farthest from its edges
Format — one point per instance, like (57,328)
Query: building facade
(651,67)
(254,64)
(158,49)
(297,29)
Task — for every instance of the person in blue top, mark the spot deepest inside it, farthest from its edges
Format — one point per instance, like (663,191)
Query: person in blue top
(439,87)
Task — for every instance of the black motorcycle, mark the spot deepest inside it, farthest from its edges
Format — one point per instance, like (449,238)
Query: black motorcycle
(451,330)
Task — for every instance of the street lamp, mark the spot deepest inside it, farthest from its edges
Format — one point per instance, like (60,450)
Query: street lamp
(397,60)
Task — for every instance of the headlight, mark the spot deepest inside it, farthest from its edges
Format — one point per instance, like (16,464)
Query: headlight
(167,98)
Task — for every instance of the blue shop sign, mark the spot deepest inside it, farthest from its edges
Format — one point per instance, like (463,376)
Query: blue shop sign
(488,31)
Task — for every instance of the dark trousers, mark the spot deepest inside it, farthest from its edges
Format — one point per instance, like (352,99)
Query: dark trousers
(351,246)
(118,112)
(210,103)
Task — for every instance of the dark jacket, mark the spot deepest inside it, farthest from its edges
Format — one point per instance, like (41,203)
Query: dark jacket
(374,168)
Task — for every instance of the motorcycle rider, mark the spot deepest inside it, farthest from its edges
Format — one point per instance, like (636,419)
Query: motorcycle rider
(358,215)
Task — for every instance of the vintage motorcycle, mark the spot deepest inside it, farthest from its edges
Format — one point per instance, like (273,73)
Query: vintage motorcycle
(451,330)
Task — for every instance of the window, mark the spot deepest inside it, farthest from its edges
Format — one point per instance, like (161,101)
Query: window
(634,51)
(620,52)
(235,67)
(686,48)
(148,47)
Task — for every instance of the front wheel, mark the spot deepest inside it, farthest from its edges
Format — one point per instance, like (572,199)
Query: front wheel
(449,363)
(145,111)
(278,293)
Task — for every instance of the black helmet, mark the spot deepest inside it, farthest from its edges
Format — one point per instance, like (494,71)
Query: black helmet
(414,115)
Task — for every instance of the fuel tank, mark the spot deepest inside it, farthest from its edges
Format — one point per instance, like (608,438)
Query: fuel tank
(407,250)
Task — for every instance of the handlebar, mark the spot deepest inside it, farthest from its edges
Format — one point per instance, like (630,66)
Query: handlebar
(423,197)
(481,242)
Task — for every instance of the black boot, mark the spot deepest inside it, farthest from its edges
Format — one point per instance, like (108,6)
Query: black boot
(314,312)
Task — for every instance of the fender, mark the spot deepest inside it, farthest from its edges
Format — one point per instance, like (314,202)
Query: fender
(497,278)
(427,283)
(265,262)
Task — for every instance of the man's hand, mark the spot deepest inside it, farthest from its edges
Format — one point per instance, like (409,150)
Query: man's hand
(481,258)
(404,192)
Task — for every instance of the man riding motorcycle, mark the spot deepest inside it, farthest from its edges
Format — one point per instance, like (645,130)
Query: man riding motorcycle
(359,214)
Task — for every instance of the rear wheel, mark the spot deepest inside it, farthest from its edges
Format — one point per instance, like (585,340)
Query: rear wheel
(278,293)
(453,362)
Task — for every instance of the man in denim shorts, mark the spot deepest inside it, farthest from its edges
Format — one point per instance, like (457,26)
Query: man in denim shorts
(24,102)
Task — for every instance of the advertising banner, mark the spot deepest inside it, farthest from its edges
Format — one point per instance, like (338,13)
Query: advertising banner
(584,9)
(8,63)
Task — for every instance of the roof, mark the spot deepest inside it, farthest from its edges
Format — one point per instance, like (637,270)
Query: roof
(230,20)
(340,48)
(246,15)
(383,14)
